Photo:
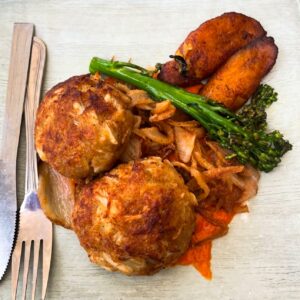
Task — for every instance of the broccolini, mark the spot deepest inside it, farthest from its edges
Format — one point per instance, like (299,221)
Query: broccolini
(244,133)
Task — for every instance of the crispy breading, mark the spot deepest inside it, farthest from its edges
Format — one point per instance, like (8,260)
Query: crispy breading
(82,126)
(239,77)
(210,45)
(137,219)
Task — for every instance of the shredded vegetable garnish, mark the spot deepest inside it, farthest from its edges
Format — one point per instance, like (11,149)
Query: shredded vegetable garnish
(221,186)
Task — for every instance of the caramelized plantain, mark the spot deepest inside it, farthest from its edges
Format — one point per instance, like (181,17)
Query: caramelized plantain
(240,76)
(209,46)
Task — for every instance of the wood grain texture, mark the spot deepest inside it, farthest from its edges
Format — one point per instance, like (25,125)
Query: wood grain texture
(16,88)
(260,257)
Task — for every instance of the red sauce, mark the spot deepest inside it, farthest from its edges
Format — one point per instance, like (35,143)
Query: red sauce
(199,254)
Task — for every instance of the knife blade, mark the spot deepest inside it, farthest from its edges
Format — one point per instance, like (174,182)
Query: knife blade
(16,88)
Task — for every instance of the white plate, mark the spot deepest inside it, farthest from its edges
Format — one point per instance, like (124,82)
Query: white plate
(260,257)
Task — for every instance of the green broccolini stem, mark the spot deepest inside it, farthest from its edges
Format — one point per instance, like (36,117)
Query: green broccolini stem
(233,131)
(160,90)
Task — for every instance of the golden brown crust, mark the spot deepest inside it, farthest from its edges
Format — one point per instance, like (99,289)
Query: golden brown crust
(136,219)
(240,76)
(82,125)
(212,43)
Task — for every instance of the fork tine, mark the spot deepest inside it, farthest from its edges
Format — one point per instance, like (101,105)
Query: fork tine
(47,249)
(26,266)
(15,266)
(35,266)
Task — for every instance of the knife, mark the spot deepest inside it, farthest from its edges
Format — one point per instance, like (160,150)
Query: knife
(17,81)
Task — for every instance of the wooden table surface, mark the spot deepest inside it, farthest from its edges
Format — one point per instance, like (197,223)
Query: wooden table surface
(260,257)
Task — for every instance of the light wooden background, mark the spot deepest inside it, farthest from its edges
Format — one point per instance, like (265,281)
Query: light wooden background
(260,257)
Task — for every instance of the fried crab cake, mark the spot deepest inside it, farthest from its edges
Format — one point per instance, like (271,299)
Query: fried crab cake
(137,219)
(82,126)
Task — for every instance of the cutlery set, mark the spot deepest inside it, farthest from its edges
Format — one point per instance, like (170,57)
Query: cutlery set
(34,231)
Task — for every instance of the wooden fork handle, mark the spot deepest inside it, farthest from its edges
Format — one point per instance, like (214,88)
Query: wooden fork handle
(37,63)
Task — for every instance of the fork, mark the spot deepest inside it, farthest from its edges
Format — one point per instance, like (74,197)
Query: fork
(34,226)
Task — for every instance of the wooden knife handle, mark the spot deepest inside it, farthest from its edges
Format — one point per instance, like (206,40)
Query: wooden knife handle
(16,88)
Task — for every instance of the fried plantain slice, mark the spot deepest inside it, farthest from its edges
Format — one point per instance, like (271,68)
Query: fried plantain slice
(240,76)
(210,45)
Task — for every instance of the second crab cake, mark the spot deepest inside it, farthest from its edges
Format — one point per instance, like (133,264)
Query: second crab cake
(136,219)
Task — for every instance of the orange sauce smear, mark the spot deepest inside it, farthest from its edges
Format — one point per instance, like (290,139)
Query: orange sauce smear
(199,254)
